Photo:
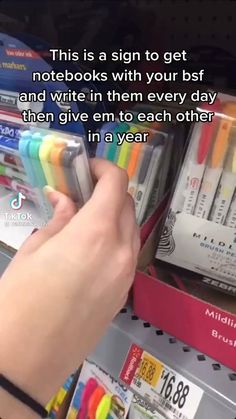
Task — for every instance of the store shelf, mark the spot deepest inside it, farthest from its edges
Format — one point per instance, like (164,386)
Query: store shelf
(217,381)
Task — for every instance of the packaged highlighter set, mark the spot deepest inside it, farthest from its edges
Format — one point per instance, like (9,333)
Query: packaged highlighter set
(33,158)
(98,395)
(199,233)
(147,163)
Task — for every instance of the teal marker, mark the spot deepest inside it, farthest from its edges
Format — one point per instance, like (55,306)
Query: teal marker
(24,142)
(33,153)
(113,149)
(33,174)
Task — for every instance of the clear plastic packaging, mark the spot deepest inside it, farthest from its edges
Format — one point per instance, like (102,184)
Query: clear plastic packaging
(199,232)
(38,157)
(143,162)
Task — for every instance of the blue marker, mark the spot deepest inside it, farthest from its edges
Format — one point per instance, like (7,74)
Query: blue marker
(76,402)
(108,127)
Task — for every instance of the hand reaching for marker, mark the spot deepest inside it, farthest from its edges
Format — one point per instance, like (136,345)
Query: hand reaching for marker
(66,284)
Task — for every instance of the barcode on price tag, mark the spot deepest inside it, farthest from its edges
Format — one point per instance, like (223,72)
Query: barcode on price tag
(169,392)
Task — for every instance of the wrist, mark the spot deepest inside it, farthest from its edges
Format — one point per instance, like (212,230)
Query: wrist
(25,358)
(10,408)
(31,354)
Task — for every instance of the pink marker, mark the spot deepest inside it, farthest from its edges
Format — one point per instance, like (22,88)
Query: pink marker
(87,393)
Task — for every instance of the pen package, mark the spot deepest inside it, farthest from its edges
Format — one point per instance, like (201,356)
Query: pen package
(98,395)
(55,404)
(199,231)
(143,161)
(46,157)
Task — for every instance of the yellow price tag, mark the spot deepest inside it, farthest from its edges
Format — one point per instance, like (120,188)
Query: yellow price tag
(150,369)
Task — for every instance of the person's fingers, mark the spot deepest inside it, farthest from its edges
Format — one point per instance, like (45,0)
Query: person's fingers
(129,230)
(110,191)
(127,220)
(64,210)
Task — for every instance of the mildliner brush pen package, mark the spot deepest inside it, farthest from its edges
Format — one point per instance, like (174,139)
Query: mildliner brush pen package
(199,233)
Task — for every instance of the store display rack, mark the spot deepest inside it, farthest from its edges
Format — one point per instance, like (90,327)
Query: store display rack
(217,381)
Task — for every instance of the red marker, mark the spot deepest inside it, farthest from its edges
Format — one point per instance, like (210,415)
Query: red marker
(89,388)
(203,137)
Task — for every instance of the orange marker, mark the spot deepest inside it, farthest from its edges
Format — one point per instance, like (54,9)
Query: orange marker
(222,137)
(133,167)
(55,161)
(214,170)
(94,401)
(134,158)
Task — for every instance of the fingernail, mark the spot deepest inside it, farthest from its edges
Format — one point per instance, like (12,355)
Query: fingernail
(47,190)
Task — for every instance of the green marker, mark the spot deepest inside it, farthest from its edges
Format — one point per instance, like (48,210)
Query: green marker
(113,149)
(33,152)
(125,150)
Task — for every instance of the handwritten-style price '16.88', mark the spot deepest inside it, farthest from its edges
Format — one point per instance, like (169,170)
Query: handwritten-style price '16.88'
(150,370)
(174,390)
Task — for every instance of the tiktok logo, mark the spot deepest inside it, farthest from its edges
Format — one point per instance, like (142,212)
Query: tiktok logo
(17,203)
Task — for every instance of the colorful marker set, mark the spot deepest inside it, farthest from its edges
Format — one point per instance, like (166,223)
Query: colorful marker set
(49,158)
(207,182)
(53,407)
(202,216)
(98,396)
(142,160)
(12,173)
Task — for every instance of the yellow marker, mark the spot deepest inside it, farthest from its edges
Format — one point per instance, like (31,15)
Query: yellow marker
(125,151)
(44,154)
(50,404)
(72,414)
(104,407)
(59,398)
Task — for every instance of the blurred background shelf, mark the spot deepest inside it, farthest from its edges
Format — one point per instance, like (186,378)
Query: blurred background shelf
(5,258)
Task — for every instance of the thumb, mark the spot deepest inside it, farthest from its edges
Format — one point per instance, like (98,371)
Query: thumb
(64,210)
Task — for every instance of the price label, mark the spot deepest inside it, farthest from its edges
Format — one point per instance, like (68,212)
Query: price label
(150,370)
(169,392)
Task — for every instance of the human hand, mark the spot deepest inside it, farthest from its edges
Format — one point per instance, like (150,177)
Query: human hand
(66,284)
